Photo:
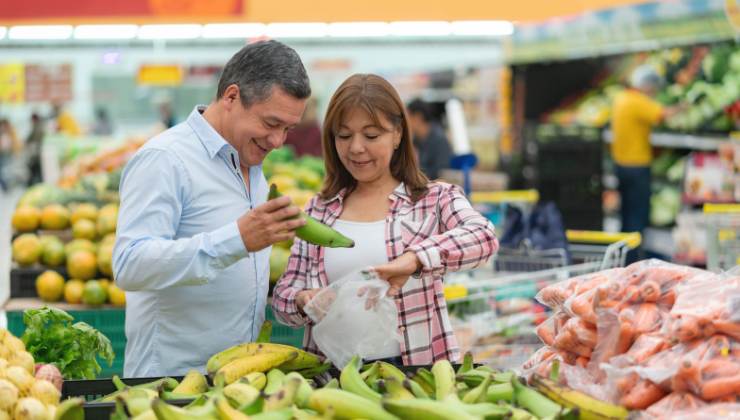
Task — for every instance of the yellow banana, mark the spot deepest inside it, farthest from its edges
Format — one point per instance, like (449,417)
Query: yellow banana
(351,381)
(284,397)
(71,409)
(394,389)
(589,408)
(444,379)
(164,411)
(302,361)
(258,363)
(304,389)
(227,412)
(258,380)
(275,379)
(192,384)
(241,394)
(426,409)
(347,405)
(316,232)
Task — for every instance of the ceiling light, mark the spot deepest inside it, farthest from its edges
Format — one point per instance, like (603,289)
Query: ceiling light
(3,31)
(234,30)
(430,28)
(482,28)
(40,32)
(105,31)
(185,31)
(297,30)
(358,29)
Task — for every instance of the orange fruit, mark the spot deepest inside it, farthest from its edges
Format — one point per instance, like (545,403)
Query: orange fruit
(73,291)
(55,217)
(50,286)
(26,219)
(82,265)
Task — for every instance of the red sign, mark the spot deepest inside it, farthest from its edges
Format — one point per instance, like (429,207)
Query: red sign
(48,83)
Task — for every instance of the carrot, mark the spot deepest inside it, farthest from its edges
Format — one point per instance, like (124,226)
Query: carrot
(582,350)
(625,383)
(626,336)
(668,299)
(582,306)
(546,332)
(719,387)
(720,366)
(687,377)
(564,340)
(727,327)
(650,291)
(632,294)
(642,395)
(582,361)
(595,281)
(686,329)
(647,318)
(646,346)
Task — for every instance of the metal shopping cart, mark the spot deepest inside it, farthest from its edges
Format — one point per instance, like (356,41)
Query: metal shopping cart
(493,309)
(723,236)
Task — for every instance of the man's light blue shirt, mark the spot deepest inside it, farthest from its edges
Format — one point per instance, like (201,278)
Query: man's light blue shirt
(192,289)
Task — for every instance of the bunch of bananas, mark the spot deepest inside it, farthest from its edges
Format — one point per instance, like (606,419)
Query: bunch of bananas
(378,391)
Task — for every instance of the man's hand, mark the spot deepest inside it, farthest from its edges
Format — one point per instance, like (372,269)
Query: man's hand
(272,222)
(397,272)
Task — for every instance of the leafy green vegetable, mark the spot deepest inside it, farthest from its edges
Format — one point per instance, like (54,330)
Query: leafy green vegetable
(51,337)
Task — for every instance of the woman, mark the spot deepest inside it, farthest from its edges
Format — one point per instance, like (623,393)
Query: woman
(411,230)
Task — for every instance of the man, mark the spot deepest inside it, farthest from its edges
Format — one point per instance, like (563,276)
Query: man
(634,113)
(194,230)
(306,138)
(429,139)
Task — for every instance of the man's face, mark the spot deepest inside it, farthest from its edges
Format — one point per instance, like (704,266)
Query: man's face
(262,127)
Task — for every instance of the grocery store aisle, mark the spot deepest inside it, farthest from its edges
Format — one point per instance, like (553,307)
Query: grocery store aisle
(7,204)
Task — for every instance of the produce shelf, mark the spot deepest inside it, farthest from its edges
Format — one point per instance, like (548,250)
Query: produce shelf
(679,141)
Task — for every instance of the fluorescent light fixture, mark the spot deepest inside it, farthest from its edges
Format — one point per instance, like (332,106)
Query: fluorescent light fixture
(106,31)
(184,31)
(234,30)
(3,31)
(297,30)
(358,29)
(428,28)
(40,32)
(482,28)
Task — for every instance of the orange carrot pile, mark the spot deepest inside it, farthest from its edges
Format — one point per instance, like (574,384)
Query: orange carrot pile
(653,336)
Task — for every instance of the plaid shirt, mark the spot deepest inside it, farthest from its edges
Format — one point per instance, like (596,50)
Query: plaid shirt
(445,233)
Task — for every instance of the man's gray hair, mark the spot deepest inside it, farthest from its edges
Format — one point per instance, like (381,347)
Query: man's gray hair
(259,66)
(645,77)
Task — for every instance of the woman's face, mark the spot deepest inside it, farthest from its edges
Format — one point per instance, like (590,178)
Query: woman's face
(364,148)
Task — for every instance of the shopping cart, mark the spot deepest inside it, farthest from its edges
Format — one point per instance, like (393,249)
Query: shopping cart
(493,309)
(723,236)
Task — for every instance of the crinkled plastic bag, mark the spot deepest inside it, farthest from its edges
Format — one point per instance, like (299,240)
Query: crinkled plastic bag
(354,316)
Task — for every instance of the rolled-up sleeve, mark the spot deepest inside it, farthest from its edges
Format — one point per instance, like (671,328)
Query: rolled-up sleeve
(154,187)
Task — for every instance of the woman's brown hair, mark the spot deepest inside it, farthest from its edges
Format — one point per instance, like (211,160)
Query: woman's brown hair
(377,97)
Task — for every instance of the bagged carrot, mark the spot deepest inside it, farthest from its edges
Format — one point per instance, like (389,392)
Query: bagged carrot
(674,402)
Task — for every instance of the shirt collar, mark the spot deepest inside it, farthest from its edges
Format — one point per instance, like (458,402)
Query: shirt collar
(209,137)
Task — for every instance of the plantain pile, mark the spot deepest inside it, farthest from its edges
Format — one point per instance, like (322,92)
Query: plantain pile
(269,382)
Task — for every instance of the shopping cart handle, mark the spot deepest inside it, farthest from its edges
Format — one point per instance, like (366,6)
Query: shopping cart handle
(632,239)
(510,196)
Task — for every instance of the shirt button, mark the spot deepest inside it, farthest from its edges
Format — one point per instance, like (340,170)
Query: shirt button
(402,328)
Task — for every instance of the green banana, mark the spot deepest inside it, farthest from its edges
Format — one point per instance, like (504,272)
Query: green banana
(426,376)
(486,410)
(164,411)
(415,389)
(70,409)
(309,372)
(589,408)
(534,402)
(192,384)
(345,404)
(426,410)
(258,380)
(275,378)
(226,411)
(387,370)
(147,415)
(467,363)
(473,378)
(316,232)
(351,381)
(371,374)
(241,394)
(265,332)
(284,414)
(138,405)
(423,384)
(240,351)
(332,384)
(394,389)
(304,389)
(478,394)
(500,392)
(284,397)
(261,362)
(119,412)
(444,379)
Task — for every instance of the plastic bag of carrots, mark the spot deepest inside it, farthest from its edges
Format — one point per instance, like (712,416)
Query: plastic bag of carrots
(725,411)
(707,306)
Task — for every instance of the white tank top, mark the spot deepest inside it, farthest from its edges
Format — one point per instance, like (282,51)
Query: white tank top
(369,250)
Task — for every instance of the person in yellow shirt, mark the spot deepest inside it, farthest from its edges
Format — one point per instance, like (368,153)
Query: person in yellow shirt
(634,114)
(66,123)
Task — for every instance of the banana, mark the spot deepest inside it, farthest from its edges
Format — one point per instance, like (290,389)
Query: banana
(393,389)
(316,232)
(304,389)
(345,404)
(284,414)
(311,372)
(147,415)
(473,378)
(221,359)
(444,379)
(426,376)
(500,392)
(371,374)
(70,409)
(478,394)
(426,410)
(265,332)
(351,381)
(332,384)
(415,389)
(467,363)
(226,411)
(138,405)
(258,363)
(192,384)
(534,402)
(241,393)
(275,379)
(258,380)
(164,411)
(486,410)
(284,397)
(387,371)
(424,385)
(588,407)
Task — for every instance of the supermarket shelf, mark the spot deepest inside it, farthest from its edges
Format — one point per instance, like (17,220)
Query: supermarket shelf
(510,196)
(21,304)
(679,141)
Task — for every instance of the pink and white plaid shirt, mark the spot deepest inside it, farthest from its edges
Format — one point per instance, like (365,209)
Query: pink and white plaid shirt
(446,234)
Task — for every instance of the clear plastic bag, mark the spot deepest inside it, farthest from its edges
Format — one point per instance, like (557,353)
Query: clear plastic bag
(354,316)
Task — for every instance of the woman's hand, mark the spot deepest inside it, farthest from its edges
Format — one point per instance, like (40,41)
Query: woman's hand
(397,272)
(305,296)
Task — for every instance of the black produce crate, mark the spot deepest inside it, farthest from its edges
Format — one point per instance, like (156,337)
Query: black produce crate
(23,279)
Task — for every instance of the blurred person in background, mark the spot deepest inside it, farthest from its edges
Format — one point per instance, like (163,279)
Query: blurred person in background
(634,114)
(65,121)
(166,116)
(10,146)
(103,125)
(430,140)
(33,146)
(305,139)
